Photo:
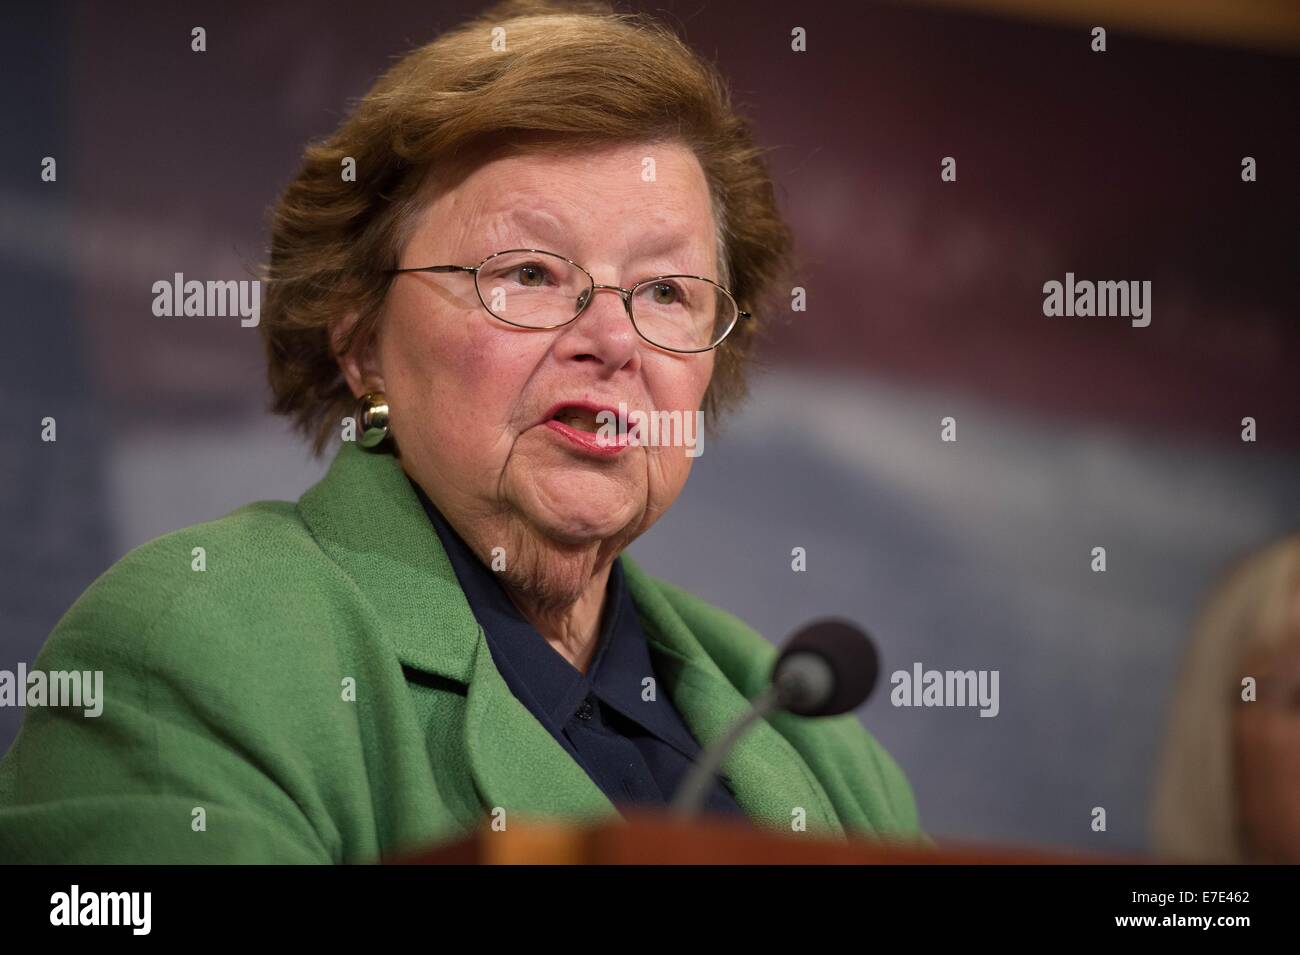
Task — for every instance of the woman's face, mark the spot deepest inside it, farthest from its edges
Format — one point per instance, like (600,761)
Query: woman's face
(470,395)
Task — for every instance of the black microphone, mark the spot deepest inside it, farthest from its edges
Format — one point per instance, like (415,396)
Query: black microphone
(828,667)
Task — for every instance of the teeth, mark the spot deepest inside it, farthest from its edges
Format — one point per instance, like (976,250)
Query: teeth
(578,418)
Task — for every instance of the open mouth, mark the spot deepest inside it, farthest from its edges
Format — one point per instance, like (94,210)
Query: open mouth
(580,419)
(592,428)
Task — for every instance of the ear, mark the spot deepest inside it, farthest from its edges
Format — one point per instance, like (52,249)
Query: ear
(360,363)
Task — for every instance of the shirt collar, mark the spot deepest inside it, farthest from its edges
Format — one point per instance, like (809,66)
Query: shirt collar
(544,681)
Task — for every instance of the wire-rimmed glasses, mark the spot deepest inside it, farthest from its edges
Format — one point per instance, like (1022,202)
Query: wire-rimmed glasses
(530,288)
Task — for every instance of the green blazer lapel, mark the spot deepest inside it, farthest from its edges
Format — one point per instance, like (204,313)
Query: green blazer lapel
(367,517)
(769,778)
(517,764)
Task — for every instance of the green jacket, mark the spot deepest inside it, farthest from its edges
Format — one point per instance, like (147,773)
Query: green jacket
(322,692)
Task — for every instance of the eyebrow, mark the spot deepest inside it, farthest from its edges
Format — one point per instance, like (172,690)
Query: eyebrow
(536,221)
(541,223)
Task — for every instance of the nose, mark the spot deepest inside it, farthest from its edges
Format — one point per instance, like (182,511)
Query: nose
(623,294)
(602,332)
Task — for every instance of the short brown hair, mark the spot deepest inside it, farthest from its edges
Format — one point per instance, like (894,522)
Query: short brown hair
(572,74)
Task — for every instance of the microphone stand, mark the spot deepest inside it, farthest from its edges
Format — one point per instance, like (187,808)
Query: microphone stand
(695,787)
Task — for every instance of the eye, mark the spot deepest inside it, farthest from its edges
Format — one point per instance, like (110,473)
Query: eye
(530,274)
(666,293)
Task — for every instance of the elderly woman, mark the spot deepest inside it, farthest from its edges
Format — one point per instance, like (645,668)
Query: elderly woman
(528,223)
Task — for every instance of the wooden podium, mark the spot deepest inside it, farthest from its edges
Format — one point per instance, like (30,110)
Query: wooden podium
(648,838)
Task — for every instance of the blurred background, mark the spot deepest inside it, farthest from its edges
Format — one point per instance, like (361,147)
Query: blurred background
(924,300)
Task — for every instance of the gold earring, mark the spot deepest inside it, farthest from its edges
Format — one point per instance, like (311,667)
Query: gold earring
(373,418)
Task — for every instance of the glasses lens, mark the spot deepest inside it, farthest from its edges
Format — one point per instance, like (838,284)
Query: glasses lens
(683,313)
(532,289)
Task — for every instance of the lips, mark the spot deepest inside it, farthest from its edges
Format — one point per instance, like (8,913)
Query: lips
(577,424)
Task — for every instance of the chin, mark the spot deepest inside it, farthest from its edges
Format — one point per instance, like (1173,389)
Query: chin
(581,511)
(585,525)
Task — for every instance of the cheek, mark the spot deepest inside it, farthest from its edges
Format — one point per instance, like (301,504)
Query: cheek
(680,387)
(454,381)
(681,383)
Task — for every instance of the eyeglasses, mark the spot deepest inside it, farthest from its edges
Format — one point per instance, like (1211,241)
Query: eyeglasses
(529,288)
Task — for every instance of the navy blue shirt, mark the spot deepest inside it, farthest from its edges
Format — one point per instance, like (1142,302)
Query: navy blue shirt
(635,750)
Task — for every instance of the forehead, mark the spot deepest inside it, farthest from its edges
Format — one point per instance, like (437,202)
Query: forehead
(629,198)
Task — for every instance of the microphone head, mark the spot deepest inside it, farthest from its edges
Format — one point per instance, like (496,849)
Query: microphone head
(831,665)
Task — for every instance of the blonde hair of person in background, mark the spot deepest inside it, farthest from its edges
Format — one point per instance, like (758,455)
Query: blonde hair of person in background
(1228,788)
